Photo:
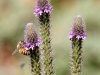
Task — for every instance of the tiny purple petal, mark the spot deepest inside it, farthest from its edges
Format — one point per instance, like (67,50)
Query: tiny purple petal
(27,45)
(70,35)
(48,9)
(32,47)
(37,11)
(78,37)
(38,43)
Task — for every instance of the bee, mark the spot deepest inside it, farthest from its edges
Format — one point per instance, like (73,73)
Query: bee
(22,49)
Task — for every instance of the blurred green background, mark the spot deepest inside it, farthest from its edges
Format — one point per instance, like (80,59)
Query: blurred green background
(15,14)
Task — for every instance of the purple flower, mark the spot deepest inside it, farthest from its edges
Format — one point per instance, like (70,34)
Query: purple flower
(31,38)
(43,6)
(78,28)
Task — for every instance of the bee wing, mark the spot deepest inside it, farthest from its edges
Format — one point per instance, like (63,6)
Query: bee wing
(22,65)
(15,51)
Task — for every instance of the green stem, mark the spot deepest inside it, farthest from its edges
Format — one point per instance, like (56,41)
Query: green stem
(35,64)
(46,44)
(76,56)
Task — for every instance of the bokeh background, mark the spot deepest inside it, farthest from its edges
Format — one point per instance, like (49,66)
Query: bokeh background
(15,14)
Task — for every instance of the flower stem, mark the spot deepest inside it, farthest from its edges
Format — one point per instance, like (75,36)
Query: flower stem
(35,64)
(76,56)
(46,43)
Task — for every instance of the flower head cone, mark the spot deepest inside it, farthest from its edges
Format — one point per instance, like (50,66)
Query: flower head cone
(78,28)
(43,6)
(31,38)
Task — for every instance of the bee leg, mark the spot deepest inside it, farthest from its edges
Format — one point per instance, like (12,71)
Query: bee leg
(15,51)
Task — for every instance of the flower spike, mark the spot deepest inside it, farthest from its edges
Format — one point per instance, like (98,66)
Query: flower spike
(32,43)
(77,35)
(43,11)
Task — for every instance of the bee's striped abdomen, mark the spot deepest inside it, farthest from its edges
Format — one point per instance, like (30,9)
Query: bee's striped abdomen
(24,52)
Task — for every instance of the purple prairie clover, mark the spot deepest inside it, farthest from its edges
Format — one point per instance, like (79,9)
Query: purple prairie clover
(42,6)
(31,38)
(78,28)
